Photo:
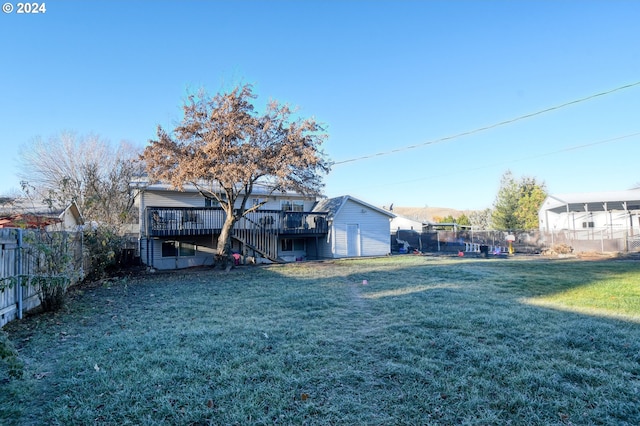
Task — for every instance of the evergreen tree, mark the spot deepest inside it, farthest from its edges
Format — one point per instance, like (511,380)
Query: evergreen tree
(506,203)
(517,203)
(464,220)
(532,196)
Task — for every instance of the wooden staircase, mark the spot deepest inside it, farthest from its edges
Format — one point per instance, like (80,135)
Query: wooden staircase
(259,239)
(259,231)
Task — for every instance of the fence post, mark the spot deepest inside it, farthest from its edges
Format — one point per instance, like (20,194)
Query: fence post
(626,243)
(19,273)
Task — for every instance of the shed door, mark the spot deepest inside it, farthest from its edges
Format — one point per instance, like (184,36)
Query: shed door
(353,240)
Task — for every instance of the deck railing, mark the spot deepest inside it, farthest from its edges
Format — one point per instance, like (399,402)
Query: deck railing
(186,221)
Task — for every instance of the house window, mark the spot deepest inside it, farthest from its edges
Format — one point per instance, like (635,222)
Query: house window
(292,244)
(178,249)
(587,224)
(210,202)
(186,249)
(292,206)
(169,249)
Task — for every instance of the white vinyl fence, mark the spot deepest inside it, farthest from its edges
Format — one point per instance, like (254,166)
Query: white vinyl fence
(18,265)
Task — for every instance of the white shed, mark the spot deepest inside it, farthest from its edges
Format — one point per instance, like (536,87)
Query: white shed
(356,229)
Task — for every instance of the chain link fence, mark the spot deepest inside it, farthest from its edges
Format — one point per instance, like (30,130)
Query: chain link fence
(526,242)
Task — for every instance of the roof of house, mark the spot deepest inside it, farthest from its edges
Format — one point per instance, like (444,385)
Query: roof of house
(334,205)
(27,221)
(401,217)
(593,201)
(24,212)
(258,188)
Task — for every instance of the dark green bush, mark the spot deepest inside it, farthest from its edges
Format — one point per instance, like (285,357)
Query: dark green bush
(9,357)
(103,246)
(52,291)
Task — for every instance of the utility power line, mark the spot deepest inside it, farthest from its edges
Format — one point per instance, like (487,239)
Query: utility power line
(492,126)
(473,169)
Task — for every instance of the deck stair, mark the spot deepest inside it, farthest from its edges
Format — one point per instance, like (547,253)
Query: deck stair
(259,238)
(259,231)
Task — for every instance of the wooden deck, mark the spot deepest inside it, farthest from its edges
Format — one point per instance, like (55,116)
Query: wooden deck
(186,221)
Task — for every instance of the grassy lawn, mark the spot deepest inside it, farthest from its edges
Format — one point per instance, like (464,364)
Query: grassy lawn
(426,341)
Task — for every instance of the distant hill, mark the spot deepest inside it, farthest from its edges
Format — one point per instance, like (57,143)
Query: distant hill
(428,213)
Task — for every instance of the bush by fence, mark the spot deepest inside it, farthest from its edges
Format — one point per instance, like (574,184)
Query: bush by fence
(36,267)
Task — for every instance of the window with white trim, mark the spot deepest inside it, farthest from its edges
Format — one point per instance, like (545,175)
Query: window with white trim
(292,206)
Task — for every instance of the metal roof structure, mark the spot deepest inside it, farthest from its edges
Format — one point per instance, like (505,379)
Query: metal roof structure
(594,201)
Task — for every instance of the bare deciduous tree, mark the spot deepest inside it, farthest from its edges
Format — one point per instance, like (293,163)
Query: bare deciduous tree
(224,148)
(481,219)
(85,169)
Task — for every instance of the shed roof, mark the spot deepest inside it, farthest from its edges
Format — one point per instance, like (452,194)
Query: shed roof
(334,205)
(593,201)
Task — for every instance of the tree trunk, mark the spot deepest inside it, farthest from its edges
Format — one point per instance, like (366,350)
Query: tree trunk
(223,257)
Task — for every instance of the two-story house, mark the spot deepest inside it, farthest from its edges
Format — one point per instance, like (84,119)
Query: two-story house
(180,228)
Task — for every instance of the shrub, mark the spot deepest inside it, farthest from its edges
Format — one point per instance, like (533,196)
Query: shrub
(557,249)
(52,253)
(103,247)
(9,356)
(52,291)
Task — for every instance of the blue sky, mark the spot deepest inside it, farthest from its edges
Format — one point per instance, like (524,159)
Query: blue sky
(382,75)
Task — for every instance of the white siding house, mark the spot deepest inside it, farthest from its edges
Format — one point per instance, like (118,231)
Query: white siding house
(355,228)
(405,223)
(180,229)
(589,215)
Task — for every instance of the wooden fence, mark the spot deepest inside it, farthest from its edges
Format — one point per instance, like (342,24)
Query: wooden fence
(19,263)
